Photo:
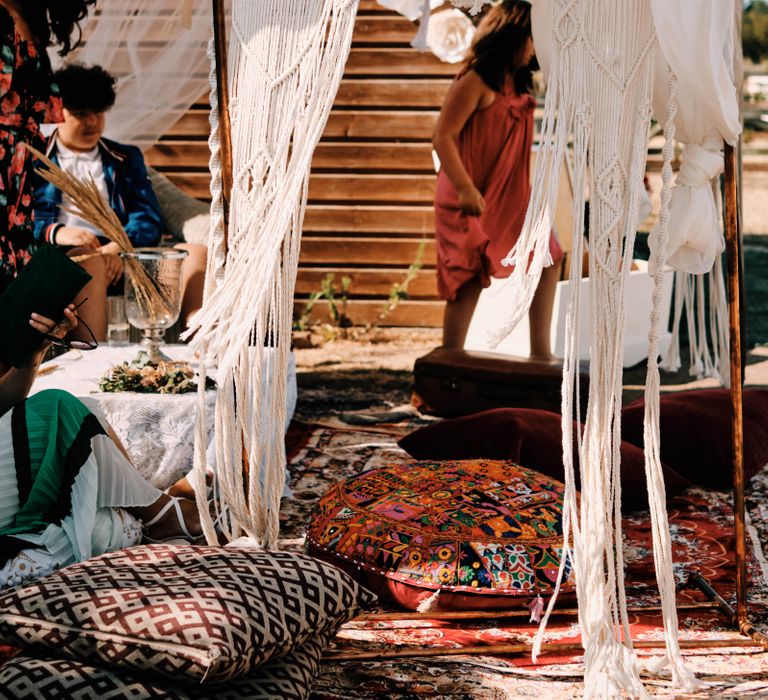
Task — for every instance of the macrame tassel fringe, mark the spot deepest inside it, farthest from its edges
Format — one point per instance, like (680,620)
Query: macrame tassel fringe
(287,58)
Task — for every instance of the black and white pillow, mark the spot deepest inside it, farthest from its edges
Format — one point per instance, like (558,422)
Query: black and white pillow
(206,614)
(30,678)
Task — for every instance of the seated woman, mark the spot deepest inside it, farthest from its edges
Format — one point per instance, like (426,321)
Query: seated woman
(67,489)
(119,172)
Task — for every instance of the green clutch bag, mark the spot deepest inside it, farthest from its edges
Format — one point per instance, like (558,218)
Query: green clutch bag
(46,285)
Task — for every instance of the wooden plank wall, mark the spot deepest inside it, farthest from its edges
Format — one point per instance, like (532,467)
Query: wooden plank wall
(372,182)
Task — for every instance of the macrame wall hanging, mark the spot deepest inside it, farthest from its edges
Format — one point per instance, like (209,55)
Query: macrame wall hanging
(600,57)
(286,60)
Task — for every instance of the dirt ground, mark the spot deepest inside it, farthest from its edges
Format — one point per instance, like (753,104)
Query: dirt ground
(374,373)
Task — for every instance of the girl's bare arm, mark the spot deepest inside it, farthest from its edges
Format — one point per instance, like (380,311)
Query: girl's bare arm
(465,96)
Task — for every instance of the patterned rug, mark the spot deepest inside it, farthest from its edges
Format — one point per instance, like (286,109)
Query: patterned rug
(703,542)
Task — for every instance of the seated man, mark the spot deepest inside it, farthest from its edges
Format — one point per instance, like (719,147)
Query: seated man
(78,148)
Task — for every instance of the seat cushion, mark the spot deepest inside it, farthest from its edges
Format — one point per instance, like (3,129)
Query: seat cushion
(204,613)
(695,429)
(469,528)
(30,678)
(533,439)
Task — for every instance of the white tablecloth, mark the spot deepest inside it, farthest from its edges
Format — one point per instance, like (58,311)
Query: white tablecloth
(157,429)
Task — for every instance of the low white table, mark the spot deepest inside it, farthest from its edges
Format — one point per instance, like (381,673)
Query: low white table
(157,429)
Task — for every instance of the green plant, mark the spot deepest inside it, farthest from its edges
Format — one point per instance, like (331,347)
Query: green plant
(399,290)
(337,298)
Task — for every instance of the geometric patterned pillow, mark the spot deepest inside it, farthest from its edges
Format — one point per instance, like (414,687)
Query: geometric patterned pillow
(202,613)
(31,678)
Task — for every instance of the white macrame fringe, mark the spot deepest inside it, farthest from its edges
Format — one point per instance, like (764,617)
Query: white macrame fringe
(662,545)
(286,60)
(707,333)
(599,91)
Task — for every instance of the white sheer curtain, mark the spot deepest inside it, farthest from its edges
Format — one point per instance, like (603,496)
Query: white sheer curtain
(157,49)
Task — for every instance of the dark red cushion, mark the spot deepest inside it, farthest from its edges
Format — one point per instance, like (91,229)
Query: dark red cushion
(532,439)
(696,433)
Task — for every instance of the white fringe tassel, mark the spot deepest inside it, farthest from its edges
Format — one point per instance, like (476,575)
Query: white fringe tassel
(286,60)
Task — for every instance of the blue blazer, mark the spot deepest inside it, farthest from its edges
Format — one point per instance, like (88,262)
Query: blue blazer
(130,195)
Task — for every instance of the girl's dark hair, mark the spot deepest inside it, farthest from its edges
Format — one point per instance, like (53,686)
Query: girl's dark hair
(497,49)
(53,22)
(85,88)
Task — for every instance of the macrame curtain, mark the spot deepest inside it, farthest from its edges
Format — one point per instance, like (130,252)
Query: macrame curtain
(602,57)
(157,48)
(286,60)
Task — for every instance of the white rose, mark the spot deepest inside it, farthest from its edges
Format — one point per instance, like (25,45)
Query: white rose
(449,35)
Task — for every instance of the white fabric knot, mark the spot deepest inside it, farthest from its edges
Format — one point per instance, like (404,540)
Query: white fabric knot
(695,234)
(699,165)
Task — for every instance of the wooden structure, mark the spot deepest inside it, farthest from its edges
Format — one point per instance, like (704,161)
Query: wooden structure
(373,180)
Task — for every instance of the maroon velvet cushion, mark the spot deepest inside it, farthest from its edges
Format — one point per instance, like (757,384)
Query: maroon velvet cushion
(532,439)
(696,433)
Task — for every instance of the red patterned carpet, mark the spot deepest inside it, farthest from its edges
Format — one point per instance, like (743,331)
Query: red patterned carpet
(703,542)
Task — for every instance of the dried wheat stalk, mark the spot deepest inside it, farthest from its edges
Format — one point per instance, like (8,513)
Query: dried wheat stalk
(88,204)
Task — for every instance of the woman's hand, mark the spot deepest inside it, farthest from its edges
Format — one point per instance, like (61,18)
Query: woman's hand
(58,330)
(76,237)
(471,201)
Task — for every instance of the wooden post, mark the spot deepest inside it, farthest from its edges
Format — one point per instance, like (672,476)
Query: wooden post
(733,255)
(222,90)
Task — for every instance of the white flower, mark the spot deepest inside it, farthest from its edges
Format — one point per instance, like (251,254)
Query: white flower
(449,35)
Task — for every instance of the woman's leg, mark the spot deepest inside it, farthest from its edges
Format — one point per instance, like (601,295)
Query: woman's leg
(169,525)
(540,313)
(192,279)
(94,311)
(458,314)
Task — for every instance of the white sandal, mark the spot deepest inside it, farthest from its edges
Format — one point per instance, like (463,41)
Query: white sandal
(172,503)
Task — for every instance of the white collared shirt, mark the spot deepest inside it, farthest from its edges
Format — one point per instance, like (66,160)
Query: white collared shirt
(82,165)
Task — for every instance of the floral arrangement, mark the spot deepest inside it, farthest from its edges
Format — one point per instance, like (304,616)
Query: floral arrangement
(163,378)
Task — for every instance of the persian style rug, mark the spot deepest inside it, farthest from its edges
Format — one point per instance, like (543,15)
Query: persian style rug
(702,536)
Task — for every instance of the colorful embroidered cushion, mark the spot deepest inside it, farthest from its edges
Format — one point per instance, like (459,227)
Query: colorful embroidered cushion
(31,678)
(473,526)
(204,613)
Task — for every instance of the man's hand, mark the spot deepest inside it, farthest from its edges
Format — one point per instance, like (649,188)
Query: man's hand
(76,236)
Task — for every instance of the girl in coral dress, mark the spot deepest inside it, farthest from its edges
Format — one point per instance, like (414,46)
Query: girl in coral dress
(483,138)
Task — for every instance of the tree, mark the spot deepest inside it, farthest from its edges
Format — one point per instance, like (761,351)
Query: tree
(755,31)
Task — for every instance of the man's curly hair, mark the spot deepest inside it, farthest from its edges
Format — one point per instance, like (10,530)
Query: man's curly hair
(86,88)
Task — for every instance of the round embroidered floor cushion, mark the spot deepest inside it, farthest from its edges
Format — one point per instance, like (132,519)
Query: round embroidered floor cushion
(485,533)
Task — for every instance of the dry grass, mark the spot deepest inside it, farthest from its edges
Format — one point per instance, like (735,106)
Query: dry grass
(89,205)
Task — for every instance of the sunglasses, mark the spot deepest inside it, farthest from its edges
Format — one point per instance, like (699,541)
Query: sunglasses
(91,344)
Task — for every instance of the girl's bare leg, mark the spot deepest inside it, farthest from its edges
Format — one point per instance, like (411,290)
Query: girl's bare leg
(540,313)
(458,314)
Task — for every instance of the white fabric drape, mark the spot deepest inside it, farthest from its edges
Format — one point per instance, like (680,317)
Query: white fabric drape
(157,49)
(697,45)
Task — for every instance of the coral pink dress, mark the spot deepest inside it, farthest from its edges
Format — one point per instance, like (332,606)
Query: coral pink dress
(495,147)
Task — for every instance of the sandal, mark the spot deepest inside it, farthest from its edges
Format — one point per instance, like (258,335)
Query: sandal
(174,503)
